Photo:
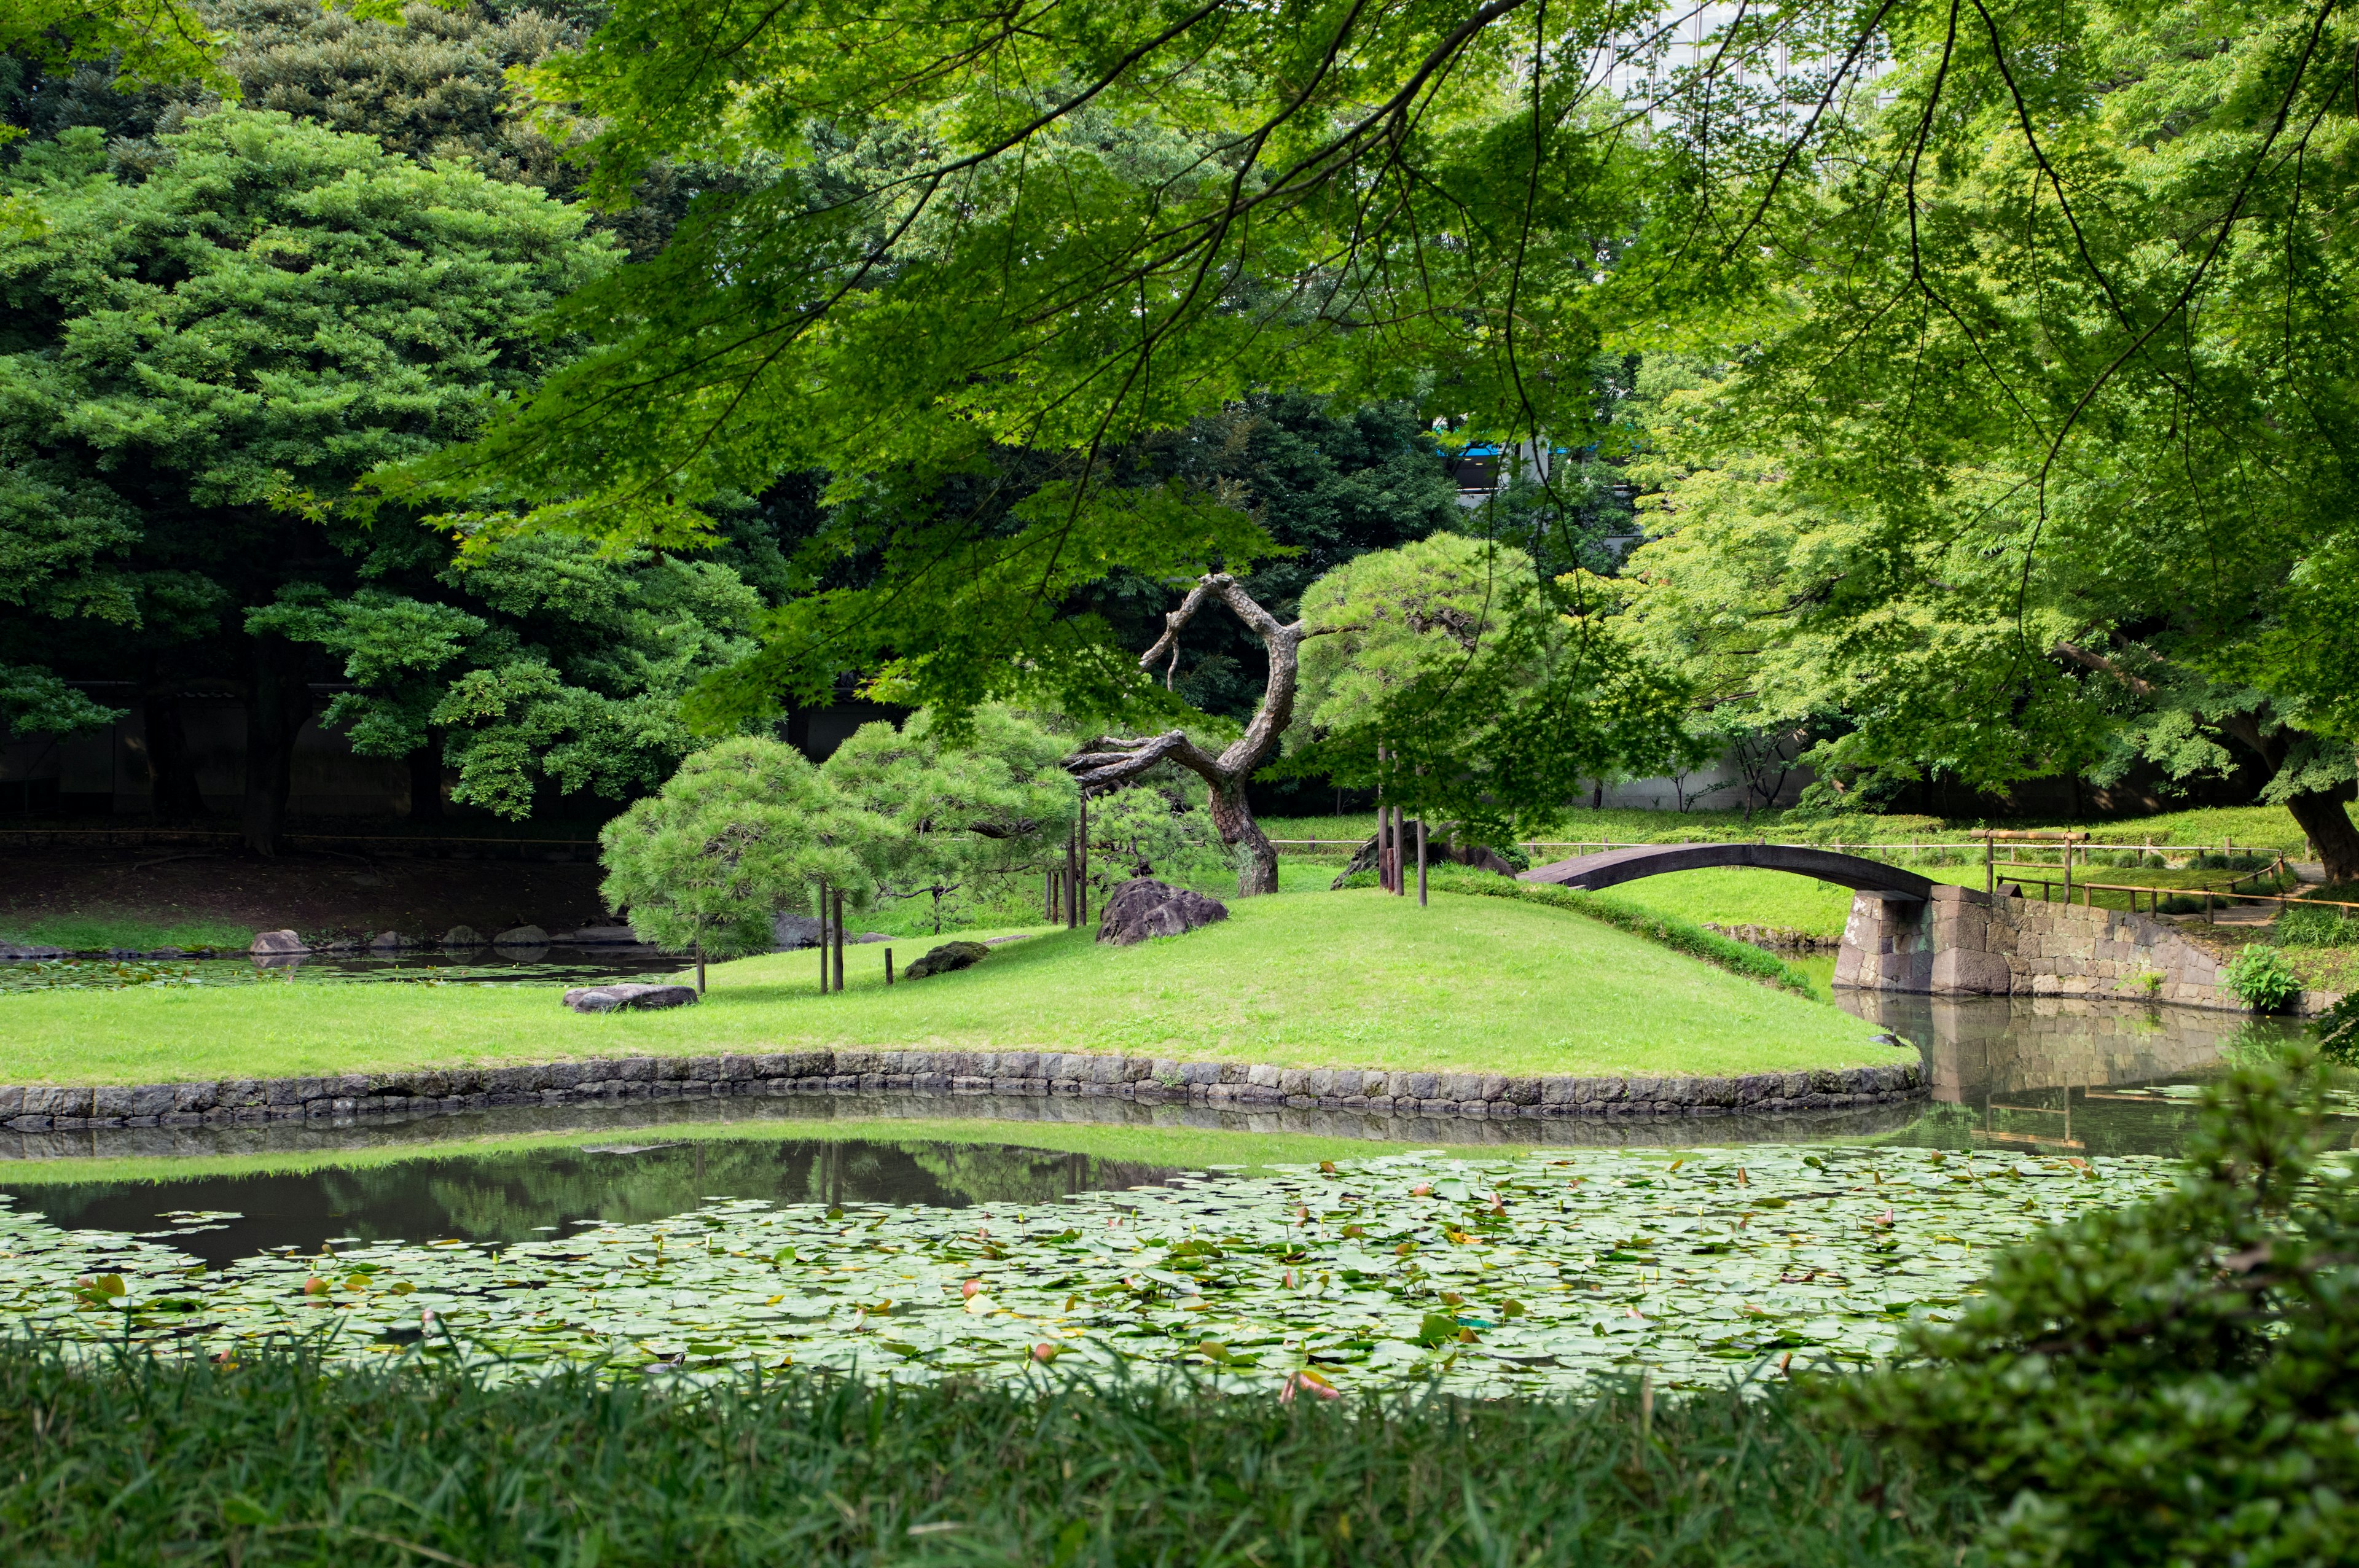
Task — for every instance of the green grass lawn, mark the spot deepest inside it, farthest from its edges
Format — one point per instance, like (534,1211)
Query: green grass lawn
(1339,980)
(278,1461)
(98,933)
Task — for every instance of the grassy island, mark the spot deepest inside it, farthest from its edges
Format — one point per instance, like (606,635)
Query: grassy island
(1339,980)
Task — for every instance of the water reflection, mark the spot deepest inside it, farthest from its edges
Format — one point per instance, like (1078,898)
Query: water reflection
(544,966)
(2070,1075)
(513,1194)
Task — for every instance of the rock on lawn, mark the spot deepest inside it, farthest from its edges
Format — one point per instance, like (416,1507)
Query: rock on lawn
(1143,907)
(949,956)
(630,997)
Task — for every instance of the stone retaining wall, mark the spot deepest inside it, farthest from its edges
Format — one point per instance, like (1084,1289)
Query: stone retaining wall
(44,1109)
(1963,941)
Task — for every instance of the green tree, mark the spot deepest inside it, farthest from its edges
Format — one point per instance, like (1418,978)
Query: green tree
(957,269)
(428,81)
(2033,461)
(991,799)
(194,361)
(2052,315)
(743,830)
(1445,675)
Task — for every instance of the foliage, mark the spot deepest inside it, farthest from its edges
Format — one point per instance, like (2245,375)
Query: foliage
(1494,708)
(166,528)
(991,803)
(540,660)
(2315,925)
(1997,545)
(2262,979)
(1623,915)
(2164,1383)
(394,1463)
(1153,828)
(145,40)
(2337,1031)
(427,80)
(744,830)
(1081,251)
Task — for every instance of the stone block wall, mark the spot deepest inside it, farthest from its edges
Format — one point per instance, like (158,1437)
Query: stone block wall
(44,1108)
(1962,942)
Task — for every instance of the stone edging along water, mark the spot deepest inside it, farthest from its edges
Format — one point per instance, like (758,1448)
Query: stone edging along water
(41,1108)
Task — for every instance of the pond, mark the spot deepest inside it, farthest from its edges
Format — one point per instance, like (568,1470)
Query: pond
(920,1238)
(483,966)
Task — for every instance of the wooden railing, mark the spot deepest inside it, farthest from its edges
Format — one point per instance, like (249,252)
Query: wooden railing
(2156,895)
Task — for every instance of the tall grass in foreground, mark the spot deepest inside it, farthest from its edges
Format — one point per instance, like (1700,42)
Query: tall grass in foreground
(281,1460)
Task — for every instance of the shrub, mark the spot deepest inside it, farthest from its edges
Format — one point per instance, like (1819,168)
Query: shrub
(2314,925)
(2337,1030)
(743,831)
(2174,1383)
(2262,979)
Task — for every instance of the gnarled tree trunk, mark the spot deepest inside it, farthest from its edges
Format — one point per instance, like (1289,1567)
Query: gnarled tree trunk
(1112,760)
(2323,817)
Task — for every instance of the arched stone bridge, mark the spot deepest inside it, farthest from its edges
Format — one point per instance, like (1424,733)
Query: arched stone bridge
(1591,872)
(1908,933)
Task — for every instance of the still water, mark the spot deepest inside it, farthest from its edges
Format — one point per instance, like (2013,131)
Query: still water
(2010,1077)
(515,1195)
(483,966)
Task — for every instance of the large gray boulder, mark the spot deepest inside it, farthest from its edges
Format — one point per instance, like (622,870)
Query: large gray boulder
(949,956)
(789,932)
(628,997)
(521,937)
(1143,907)
(277,944)
(602,937)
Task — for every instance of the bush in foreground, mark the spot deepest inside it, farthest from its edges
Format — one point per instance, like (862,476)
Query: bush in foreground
(280,1461)
(2175,1382)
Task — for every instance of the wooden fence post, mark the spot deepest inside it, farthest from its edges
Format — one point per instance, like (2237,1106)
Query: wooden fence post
(1420,860)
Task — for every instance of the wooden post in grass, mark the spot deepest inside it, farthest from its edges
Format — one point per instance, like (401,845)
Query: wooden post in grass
(839,939)
(823,936)
(888,965)
(1073,918)
(1420,860)
(1048,896)
(1400,851)
(1082,879)
(700,968)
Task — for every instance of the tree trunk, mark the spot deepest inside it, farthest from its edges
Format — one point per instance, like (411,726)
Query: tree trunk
(1225,776)
(277,702)
(173,796)
(2321,817)
(1232,818)
(426,784)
